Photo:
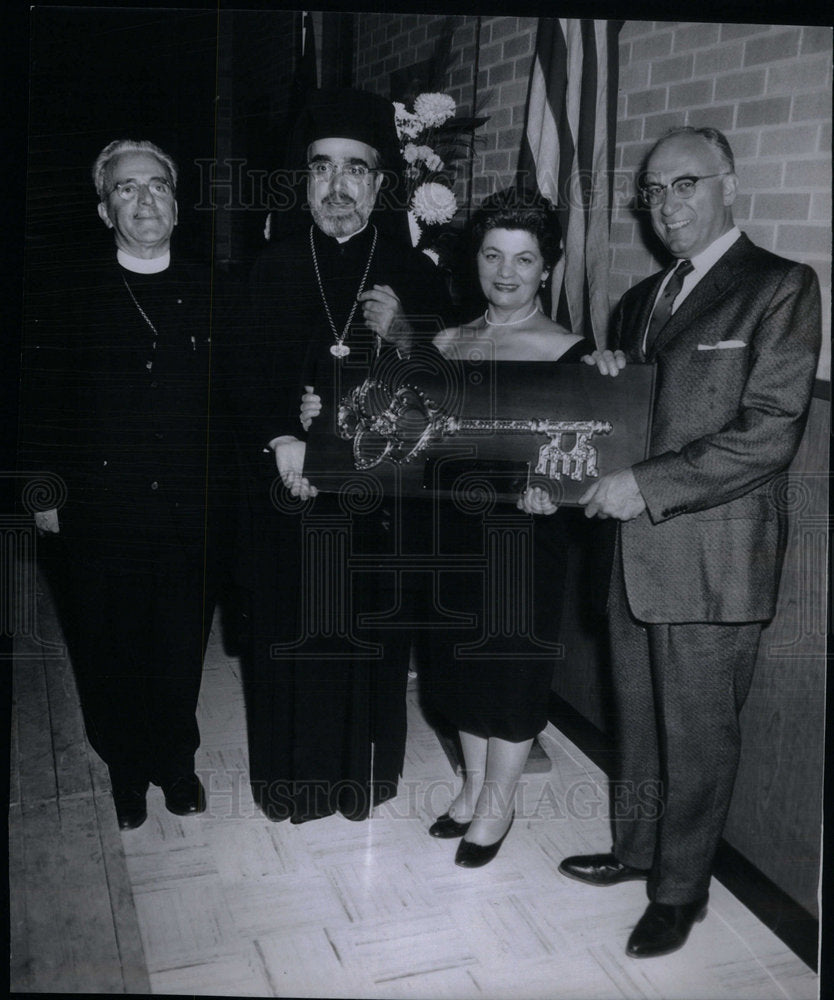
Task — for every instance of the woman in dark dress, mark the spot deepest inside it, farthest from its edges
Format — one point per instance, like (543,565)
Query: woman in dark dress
(497,698)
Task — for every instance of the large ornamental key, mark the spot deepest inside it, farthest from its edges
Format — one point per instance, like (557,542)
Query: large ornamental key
(400,424)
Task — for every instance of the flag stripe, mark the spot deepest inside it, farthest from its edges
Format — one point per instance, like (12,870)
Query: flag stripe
(588,137)
(568,147)
(575,238)
(599,214)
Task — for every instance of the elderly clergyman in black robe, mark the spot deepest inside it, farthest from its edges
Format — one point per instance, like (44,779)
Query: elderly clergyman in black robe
(116,396)
(326,696)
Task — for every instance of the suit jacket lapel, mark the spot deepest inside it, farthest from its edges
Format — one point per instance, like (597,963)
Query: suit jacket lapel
(718,281)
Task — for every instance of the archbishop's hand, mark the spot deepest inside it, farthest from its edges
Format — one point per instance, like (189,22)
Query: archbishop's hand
(289,457)
(310,407)
(383,313)
(46,521)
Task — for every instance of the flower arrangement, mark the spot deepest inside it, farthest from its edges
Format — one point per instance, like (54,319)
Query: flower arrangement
(431,140)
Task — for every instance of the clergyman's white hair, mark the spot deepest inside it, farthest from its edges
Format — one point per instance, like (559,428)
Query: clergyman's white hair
(119,146)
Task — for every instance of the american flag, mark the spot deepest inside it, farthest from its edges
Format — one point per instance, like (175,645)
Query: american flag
(567,153)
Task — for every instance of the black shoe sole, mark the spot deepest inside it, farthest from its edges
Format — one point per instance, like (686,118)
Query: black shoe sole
(448,828)
(471,855)
(636,877)
(190,811)
(132,822)
(672,948)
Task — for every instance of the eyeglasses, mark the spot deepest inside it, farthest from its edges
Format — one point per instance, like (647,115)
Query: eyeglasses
(128,190)
(322,170)
(683,187)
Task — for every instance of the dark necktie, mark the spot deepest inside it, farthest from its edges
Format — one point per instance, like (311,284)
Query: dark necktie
(663,306)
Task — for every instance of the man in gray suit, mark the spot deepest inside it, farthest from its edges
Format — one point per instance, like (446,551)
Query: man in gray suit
(735,333)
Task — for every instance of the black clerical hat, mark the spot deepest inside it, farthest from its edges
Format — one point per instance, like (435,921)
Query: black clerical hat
(347,114)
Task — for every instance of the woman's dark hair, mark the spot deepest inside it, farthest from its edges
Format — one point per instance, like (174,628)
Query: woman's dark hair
(520,208)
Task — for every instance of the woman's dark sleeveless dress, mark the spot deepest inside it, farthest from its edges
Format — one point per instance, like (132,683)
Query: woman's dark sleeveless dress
(498,597)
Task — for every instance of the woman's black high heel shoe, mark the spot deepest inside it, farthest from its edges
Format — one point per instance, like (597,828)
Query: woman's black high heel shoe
(447,827)
(471,855)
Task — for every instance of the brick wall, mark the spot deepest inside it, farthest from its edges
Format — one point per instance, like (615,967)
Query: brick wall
(769,88)
(388,42)
(506,54)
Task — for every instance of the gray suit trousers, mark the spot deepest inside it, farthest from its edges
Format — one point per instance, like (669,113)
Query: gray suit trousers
(678,692)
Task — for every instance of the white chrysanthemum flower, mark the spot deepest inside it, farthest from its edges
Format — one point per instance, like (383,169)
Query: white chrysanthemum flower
(433,161)
(408,125)
(433,109)
(413,153)
(434,204)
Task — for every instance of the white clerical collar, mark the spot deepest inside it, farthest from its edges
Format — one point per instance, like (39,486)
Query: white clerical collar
(704,260)
(153,265)
(344,239)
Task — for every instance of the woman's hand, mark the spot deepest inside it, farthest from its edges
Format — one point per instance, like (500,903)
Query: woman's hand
(608,362)
(289,457)
(536,500)
(310,407)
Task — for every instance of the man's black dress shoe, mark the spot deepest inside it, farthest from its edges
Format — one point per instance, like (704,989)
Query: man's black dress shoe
(185,795)
(471,855)
(664,928)
(600,869)
(447,827)
(131,807)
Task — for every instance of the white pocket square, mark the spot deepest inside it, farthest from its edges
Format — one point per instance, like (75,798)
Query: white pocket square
(722,345)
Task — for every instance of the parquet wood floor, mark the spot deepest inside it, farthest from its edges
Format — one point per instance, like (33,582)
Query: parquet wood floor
(231,904)
(72,925)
